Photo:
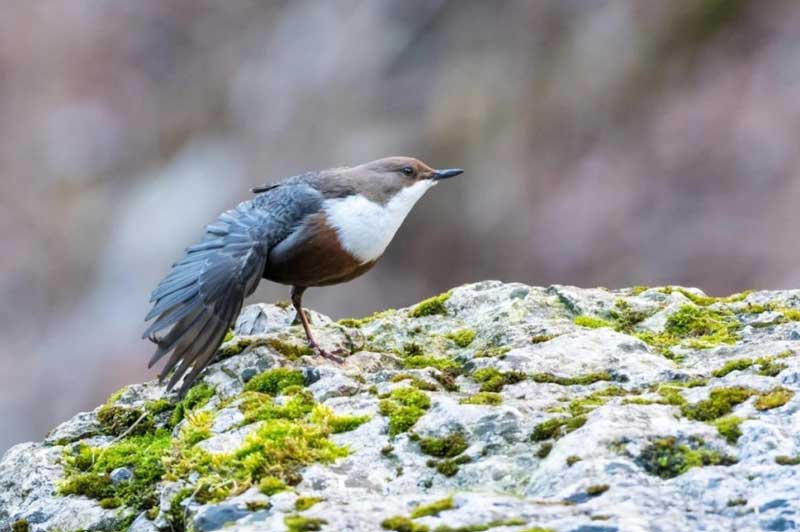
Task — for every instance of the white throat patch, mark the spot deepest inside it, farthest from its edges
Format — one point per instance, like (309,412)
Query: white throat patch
(365,228)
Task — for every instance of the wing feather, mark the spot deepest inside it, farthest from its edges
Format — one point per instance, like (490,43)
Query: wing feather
(200,298)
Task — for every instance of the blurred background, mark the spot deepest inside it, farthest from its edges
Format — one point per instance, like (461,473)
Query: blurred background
(608,143)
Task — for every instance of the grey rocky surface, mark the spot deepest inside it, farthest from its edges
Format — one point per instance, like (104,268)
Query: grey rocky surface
(637,378)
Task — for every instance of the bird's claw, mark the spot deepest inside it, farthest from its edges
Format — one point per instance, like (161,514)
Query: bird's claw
(327,354)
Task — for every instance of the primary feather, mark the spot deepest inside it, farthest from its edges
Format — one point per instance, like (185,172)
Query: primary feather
(200,298)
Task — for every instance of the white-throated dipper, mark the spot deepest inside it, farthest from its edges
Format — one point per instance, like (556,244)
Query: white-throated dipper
(314,229)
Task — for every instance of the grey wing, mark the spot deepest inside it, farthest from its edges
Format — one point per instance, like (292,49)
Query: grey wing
(202,295)
(306,178)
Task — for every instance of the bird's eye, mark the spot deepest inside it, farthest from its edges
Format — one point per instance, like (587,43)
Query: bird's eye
(408,170)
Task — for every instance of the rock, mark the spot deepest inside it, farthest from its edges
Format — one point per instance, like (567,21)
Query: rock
(331,382)
(143,524)
(120,475)
(217,516)
(495,406)
(83,425)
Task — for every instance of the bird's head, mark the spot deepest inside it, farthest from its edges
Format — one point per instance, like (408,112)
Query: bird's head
(405,171)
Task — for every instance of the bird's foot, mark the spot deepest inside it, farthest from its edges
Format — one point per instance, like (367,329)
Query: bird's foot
(327,354)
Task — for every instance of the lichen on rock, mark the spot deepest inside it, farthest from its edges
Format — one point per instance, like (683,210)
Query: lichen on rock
(491,406)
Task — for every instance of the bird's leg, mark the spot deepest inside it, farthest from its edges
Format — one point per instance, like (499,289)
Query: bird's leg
(297,302)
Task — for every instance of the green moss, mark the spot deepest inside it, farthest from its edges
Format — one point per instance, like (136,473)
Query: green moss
(278,448)
(387,450)
(20,525)
(197,397)
(274,381)
(787,460)
(625,317)
(403,408)
(448,467)
(357,323)
(544,450)
(493,352)
(720,402)
(592,322)
(271,456)
(298,523)
(588,378)
(538,529)
(431,306)
(775,398)
(597,398)
(573,459)
(556,427)
(695,327)
(704,300)
(667,458)
(337,423)
(283,442)
(87,470)
(284,304)
(493,380)
(434,508)
(425,361)
(542,338)
(257,406)
(116,420)
(228,336)
(641,401)
(733,365)
(197,428)
(446,447)
(704,327)
(271,485)
(486,526)
(176,515)
(671,394)
(416,382)
(114,397)
(483,398)
(462,338)
(596,489)
(158,406)
(767,366)
(236,345)
(447,379)
(694,382)
(292,351)
(256,506)
(771,368)
(790,314)
(93,485)
(301,504)
(637,290)
(411,349)
(728,428)
(398,523)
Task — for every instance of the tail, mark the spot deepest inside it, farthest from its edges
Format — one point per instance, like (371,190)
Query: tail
(202,295)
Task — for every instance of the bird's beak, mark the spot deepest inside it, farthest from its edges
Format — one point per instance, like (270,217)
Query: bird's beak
(445,174)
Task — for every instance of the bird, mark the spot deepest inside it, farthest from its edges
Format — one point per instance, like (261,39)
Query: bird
(314,229)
